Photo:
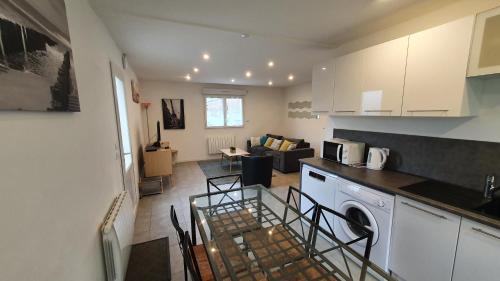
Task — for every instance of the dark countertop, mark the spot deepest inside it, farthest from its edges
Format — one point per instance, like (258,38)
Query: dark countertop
(450,198)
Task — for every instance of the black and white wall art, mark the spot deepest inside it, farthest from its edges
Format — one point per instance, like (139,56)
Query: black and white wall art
(173,114)
(36,63)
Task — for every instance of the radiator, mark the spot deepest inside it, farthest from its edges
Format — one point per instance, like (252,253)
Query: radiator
(216,143)
(117,234)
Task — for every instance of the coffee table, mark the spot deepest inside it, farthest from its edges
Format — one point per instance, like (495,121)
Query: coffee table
(226,153)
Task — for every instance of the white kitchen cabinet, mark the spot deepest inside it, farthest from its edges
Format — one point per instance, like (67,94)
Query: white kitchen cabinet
(478,253)
(348,84)
(321,186)
(485,52)
(424,241)
(435,83)
(322,86)
(383,78)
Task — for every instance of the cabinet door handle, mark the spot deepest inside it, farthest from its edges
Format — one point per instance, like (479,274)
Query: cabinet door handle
(317,176)
(424,210)
(345,111)
(427,110)
(382,110)
(485,233)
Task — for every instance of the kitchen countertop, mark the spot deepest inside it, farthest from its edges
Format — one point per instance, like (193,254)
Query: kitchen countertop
(455,200)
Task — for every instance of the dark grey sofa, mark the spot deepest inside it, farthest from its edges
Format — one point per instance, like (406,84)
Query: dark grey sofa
(284,161)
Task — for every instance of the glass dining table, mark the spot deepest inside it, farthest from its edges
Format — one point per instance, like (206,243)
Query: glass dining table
(250,233)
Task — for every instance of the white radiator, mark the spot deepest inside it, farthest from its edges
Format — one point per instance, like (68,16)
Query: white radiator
(216,143)
(117,234)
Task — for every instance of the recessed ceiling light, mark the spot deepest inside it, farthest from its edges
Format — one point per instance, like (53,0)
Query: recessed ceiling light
(188,77)
(323,68)
(233,80)
(244,35)
(196,70)
(270,63)
(248,74)
(270,83)
(206,56)
(291,77)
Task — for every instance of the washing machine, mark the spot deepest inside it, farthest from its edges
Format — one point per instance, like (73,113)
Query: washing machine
(370,208)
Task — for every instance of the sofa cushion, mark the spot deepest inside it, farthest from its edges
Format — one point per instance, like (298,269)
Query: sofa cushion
(291,147)
(276,144)
(263,140)
(284,146)
(275,136)
(269,142)
(258,150)
(254,141)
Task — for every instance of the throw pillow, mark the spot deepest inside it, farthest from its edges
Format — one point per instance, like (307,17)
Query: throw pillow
(269,142)
(284,146)
(254,141)
(292,146)
(276,144)
(263,140)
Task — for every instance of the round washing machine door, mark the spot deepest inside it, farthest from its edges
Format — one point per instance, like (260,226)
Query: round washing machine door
(360,214)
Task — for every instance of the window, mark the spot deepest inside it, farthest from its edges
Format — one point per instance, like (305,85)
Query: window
(221,112)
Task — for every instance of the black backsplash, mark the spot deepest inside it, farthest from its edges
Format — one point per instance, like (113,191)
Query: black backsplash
(460,162)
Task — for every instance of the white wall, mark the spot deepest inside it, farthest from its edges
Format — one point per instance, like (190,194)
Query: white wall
(59,172)
(262,110)
(483,127)
(311,130)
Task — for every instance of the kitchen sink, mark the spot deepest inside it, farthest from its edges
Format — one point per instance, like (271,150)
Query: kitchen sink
(491,208)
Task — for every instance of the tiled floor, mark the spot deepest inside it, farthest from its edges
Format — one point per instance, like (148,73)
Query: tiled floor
(153,216)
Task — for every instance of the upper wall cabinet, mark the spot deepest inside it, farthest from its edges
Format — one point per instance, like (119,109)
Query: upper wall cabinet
(322,86)
(348,84)
(485,53)
(435,83)
(383,78)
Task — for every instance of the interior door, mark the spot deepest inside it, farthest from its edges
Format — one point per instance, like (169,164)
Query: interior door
(127,161)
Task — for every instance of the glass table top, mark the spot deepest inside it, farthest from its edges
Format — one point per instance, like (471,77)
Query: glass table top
(251,234)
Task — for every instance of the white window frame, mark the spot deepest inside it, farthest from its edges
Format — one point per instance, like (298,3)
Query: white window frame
(224,98)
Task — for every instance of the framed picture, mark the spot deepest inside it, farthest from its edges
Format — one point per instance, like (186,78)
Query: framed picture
(135,92)
(173,114)
(36,62)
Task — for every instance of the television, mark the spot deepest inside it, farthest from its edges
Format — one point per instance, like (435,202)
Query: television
(158,135)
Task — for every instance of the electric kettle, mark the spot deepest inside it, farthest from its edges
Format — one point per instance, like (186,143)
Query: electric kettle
(377,158)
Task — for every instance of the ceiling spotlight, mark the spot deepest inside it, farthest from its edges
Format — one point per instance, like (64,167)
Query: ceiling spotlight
(270,83)
(244,35)
(233,80)
(248,74)
(188,77)
(270,63)
(206,56)
(196,70)
(323,68)
(291,77)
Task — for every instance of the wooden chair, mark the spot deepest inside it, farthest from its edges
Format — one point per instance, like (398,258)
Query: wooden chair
(277,245)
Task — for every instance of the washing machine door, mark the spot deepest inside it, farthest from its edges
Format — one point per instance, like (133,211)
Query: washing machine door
(359,213)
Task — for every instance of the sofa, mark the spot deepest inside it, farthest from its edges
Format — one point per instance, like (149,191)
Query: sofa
(284,161)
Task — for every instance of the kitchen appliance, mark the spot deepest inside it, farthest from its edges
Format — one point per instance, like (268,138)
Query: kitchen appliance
(343,151)
(370,208)
(377,158)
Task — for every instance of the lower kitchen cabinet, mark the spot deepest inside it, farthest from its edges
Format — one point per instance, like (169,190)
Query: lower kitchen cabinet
(424,241)
(478,253)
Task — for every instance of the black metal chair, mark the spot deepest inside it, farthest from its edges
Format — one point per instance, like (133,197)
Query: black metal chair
(257,170)
(324,228)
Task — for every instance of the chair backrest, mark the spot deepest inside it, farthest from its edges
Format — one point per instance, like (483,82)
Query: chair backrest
(324,220)
(257,170)
(190,258)
(214,185)
(308,208)
(175,222)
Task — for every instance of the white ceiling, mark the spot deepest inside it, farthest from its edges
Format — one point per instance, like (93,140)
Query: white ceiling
(165,39)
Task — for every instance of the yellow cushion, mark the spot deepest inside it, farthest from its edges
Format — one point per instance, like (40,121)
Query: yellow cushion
(285,145)
(269,142)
